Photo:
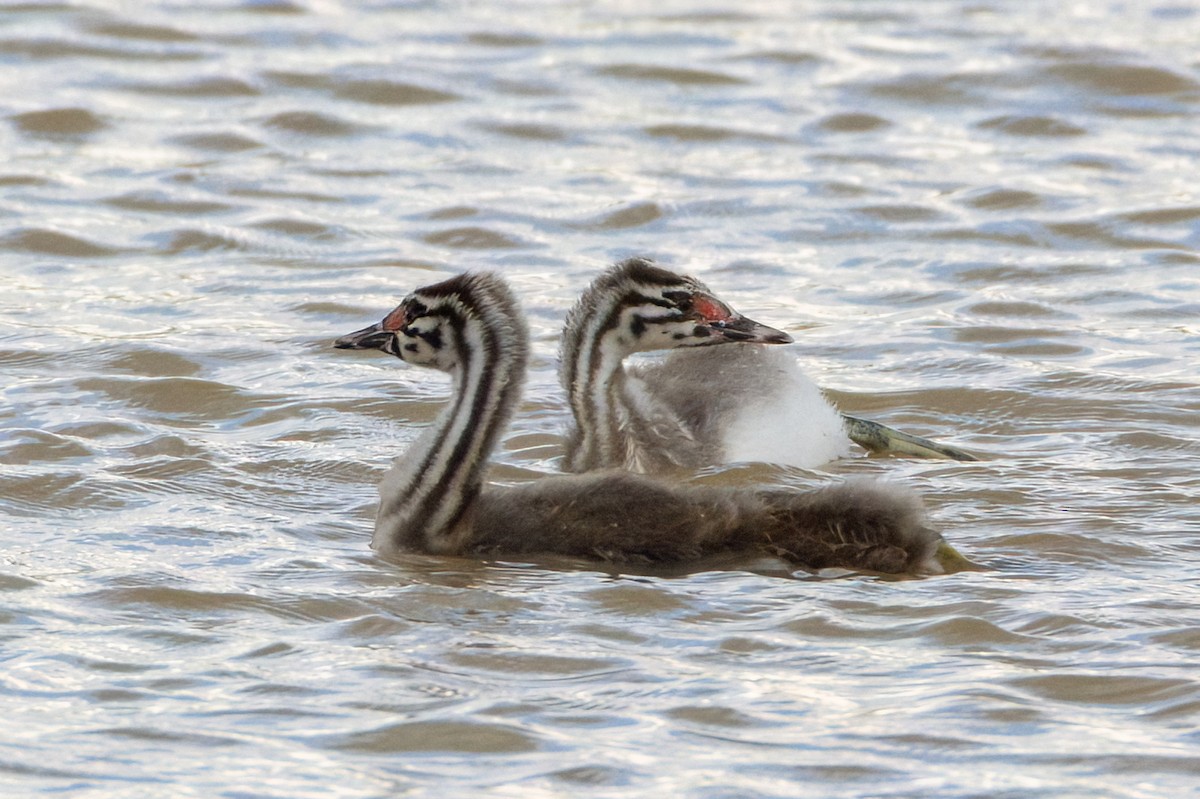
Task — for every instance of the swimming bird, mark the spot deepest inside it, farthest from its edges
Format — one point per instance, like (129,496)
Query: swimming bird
(701,404)
(433,499)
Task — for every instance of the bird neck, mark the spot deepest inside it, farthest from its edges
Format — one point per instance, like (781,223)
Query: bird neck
(597,403)
(428,498)
(594,381)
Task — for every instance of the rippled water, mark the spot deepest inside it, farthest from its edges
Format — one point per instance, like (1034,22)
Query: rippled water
(980,221)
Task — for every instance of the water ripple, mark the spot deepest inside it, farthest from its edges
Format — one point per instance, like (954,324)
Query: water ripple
(979,223)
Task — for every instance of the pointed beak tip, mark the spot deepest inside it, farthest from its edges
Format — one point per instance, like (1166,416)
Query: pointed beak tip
(347,342)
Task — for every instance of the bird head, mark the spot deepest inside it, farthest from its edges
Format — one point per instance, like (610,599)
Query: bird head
(439,325)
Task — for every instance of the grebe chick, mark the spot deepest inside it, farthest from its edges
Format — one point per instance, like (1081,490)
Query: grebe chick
(696,407)
(619,419)
(433,498)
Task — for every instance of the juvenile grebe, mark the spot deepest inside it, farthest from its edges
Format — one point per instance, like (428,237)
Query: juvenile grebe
(433,499)
(696,407)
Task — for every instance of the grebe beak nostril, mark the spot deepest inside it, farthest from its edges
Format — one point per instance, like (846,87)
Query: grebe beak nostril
(369,338)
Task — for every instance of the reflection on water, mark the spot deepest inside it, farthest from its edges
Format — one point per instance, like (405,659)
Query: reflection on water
(978,221)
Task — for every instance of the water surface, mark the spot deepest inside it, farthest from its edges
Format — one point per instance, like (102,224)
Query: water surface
(980,221)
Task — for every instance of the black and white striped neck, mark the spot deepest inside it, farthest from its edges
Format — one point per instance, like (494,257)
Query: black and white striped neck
(427,499)
(604,327)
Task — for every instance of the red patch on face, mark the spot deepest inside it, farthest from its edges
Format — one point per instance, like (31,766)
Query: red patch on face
(394,320)
(710,310)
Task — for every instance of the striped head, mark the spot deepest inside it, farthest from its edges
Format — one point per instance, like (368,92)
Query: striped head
(471,327)
(636,306)
(443,325)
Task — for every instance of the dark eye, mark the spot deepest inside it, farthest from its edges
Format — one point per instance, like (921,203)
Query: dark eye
(415,309)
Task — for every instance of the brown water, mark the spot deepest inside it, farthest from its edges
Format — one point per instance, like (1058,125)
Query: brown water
(980,220)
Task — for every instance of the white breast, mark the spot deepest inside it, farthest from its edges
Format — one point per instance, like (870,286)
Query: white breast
(748,402)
